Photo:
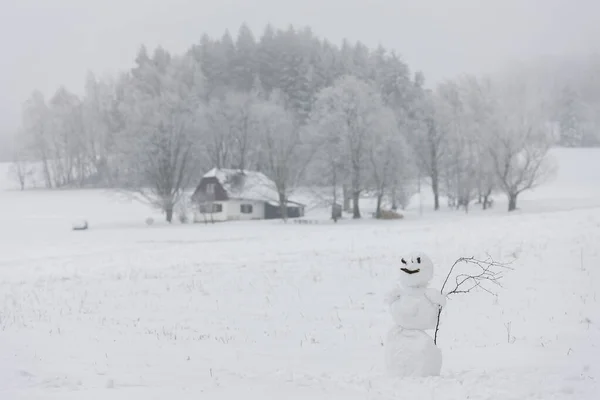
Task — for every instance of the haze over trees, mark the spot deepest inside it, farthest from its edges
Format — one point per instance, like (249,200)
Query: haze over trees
(305,112)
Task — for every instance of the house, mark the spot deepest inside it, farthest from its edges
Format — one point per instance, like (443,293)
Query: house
(229,194)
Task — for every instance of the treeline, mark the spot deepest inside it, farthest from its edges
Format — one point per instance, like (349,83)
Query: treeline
(569,87)
(298,108)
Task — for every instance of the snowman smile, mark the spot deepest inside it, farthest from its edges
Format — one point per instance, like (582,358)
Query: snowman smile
(410,271)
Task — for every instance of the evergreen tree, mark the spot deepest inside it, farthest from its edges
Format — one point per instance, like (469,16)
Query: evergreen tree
(245,62)
(569,120)
(267,55)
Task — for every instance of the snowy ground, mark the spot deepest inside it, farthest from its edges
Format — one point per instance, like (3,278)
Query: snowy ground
(275,311)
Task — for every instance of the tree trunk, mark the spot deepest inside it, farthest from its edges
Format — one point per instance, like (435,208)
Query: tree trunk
(47,175)
(169,212)
(512,201)
(435,176)
(394,199)
(486,199)
(346,194)
(378,210)
(334,205)
(283,206)
(21,176)
(451,201)
(435,187)
(355,206)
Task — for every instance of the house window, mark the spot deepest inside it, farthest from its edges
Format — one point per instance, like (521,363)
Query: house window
(207,208)
(246,208)
(210,188)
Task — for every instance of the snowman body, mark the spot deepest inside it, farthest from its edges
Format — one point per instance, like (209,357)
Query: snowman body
(414,307)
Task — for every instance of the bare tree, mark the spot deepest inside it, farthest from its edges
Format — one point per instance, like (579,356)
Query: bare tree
(101,123)
(207,207)
(520,167)
(244,132)
(21,169)
(479,104)
(460,162)
(232,136)
(67,143)
(386,154)
(486,179)
(520,142)
(466,109)
(327,173)
(284,156)
(350,110)
(429,141)
(218,137)
(35,128)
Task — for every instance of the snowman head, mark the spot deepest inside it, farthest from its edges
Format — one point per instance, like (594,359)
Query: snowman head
(416,270)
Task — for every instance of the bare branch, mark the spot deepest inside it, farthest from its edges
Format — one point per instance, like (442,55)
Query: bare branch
(490,273)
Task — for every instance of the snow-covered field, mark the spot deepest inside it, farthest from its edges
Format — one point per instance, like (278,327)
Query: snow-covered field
(284,311)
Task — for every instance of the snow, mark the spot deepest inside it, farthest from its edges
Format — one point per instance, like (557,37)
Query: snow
(411,353)
(254,185)
(263,309)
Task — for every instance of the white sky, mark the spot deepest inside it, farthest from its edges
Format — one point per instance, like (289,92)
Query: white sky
(46,43)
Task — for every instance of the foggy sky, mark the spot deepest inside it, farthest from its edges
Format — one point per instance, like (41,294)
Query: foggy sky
(46,43)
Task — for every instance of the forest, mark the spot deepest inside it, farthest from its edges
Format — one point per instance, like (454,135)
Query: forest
(306,112)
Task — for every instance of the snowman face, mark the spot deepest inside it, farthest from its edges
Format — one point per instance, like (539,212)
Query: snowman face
(416,270)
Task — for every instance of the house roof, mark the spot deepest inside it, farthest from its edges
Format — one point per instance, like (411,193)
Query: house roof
(247,185)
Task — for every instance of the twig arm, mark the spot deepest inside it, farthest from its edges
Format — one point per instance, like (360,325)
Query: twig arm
(464,283)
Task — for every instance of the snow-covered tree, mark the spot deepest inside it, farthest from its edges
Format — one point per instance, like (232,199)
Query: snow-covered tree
(520,141)
(353,111)
(217,137)
(570,118)
(21,168)
(387,156)
(267,55)
(36,132)
(245,62)
(283,155)
(244,129)
(479,108)
(428,140)
(66,130)
(231,134)
(100,118)
(464,111)
(328,168)
(160,142)
(459,115)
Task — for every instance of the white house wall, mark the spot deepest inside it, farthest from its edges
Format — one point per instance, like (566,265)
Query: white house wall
(234,212)
(217,217)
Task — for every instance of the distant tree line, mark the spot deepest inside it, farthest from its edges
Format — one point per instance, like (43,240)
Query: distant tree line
(298,108)
(5,146)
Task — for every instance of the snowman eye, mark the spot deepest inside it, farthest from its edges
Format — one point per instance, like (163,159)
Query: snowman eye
(419,260)
(403,261)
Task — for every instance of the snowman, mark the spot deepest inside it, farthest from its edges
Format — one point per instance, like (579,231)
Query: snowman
(414,308)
